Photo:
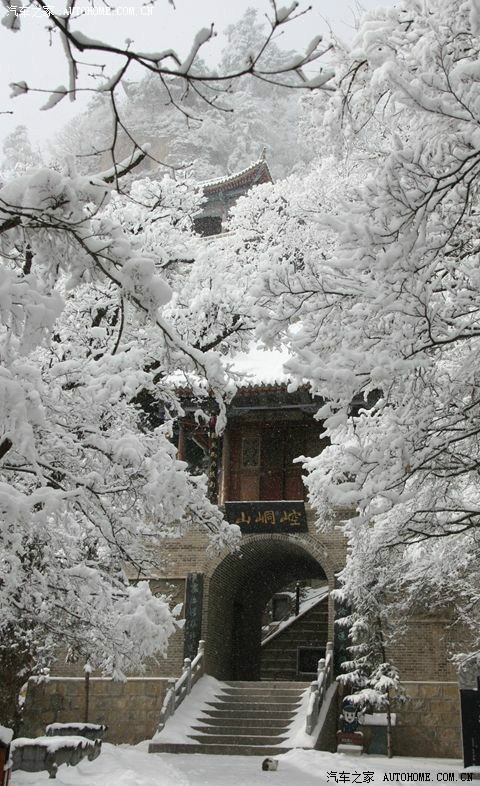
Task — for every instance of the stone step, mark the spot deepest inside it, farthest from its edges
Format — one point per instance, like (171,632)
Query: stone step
(273,673)
(262,692)
(272,701)
(251,715)
(252,706)
(240,730)
(225,750)
(254,698)
(247,723)
(273,684)
(233,739)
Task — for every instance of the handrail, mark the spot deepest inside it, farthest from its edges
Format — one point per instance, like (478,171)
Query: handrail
(181,687)
(318,688)
(275,627)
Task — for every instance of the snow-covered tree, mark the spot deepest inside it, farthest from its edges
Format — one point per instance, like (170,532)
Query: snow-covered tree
(18,154)
(225,133)
(367,267)
(366,585)
(88,279)
(387,328)
(82,484)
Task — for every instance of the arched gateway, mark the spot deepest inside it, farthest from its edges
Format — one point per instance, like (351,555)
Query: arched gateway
(238,589)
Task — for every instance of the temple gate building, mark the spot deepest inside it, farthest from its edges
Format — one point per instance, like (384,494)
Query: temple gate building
(227,598)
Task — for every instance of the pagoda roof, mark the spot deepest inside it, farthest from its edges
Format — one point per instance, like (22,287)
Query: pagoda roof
(254,175)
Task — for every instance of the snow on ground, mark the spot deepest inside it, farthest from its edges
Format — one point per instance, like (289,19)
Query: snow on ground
(179,726)
(133,766)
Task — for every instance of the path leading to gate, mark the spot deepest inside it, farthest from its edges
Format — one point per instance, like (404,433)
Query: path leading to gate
(134,766)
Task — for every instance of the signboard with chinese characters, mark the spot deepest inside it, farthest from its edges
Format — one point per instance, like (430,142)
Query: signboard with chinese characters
(267,517)
(193,614)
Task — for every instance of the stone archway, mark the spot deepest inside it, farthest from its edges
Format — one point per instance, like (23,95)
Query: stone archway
(238,588)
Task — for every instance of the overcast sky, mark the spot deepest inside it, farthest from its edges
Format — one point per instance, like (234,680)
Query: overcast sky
(30,55)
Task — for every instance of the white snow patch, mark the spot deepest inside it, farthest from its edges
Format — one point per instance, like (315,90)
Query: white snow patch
(179,726)
(53,744)
(58,726)
(378,719)
(259,365)
(133,766)
(6,735)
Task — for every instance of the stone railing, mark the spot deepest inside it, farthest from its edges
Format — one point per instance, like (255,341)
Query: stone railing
(178,689)
(318,689)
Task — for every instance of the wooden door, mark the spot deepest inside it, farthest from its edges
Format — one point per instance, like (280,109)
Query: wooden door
(272,465)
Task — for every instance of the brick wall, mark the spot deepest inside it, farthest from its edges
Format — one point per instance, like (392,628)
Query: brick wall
(131,710)
(422,653)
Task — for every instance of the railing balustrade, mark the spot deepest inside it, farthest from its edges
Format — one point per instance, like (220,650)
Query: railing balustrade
(318,688)
(178,689)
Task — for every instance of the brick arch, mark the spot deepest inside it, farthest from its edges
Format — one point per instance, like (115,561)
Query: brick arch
(237,589)
(310,543)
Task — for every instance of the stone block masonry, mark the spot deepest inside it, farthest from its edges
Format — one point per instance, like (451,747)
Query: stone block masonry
(131,709)
(429,721)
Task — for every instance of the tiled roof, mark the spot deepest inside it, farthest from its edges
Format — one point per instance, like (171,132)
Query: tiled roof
(256,173)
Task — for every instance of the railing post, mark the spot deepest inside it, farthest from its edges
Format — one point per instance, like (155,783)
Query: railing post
(329,654)
(201,651)
(187,681)
(187,667)
(172,700)
(312,712)
(320,668)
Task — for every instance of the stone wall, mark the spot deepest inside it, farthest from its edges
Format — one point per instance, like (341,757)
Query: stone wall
(429,723)
(131,710)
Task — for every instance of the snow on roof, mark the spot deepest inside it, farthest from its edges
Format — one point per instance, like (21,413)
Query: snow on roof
(313,597)
(254,172)
(260,366)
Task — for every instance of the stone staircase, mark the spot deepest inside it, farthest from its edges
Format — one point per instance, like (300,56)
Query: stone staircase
(243,718)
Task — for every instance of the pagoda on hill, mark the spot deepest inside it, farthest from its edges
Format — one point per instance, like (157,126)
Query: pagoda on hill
(222,193)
